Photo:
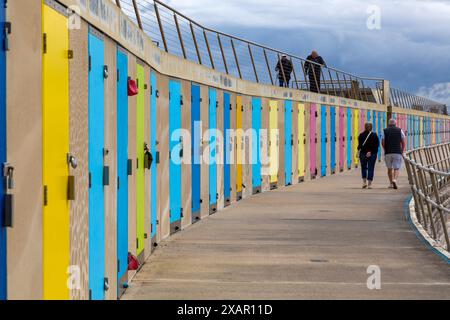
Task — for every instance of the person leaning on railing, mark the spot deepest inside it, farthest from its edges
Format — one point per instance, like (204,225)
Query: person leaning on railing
(284,68)
(313,68)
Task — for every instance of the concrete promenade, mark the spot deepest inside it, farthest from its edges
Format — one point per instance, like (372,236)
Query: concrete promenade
(309,241)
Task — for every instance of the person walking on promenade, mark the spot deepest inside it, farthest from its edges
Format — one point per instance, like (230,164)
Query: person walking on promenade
(284,68)
(313,68)
(368,145)
(394,145)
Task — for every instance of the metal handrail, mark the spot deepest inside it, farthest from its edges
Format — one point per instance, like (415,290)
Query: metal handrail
(431,189)
(159,20)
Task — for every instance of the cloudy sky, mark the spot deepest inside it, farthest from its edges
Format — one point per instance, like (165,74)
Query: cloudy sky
(405,41)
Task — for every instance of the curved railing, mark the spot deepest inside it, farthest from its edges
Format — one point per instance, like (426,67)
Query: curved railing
(429,176)
(178,34)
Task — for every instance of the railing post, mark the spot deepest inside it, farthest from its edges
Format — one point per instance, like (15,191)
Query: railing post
(293,71)
(138,16)
(209,50)
(341,92)
(194,38)
(386,93)
(236,58)
(268,66)
(223,54)
(180,37)
(441,213)
(158,17)
(253,62)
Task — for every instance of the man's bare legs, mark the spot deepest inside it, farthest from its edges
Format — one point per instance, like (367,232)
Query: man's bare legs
(391,175)
(395,176)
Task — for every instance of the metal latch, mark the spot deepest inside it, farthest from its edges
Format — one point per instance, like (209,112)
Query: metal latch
(8,175)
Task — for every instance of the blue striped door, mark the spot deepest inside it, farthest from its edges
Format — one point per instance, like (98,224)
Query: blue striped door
(175,145)
(122,164)
(213,150)
(349,138)
(196,151)
(228,147)
(323,141)
(256,144)
(154,151)
(96,151)
(3,265)
(333,138)
(288,142)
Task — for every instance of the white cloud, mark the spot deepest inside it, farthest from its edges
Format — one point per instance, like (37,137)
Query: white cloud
(439,92)
(417,19)
(411,49)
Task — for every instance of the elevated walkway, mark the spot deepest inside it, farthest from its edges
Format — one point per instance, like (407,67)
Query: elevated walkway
(308,241)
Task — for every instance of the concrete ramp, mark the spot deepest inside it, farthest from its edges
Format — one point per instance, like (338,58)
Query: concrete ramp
(308,241)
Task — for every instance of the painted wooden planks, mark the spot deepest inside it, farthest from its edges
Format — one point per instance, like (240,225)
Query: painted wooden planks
(3,189)
(186,166)
(25,240)
(56,147)
(228,147)
(288,142)
(96,166)
(155,153)
(212,150)
(122,170)
(196,140)
(239,147)
(302,142)
(175,155)
(110,163)
(256,145)
(140,169)
(274,143)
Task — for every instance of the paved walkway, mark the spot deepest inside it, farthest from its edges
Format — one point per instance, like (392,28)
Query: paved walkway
(310,241)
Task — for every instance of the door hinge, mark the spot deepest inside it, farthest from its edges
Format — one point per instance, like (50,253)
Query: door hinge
(44,43)
(45,196)
(90,63)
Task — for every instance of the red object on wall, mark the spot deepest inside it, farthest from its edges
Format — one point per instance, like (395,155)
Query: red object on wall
(133,263)
(132,88)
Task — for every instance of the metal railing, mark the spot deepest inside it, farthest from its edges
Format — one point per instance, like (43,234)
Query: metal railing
(406,100)
(429,177)
(177,34)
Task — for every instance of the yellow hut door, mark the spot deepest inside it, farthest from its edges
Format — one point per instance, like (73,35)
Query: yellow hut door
(55,154)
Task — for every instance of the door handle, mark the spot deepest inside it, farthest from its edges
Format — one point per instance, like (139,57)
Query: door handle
(72,161)
(8,174)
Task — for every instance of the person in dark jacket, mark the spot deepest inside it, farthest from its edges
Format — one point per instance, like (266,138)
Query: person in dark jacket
(368,145)
(394,144)
(313,68)
(284,68)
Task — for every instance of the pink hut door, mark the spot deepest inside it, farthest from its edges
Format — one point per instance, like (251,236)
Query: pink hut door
(341,137)
(362,120)
(313,139)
